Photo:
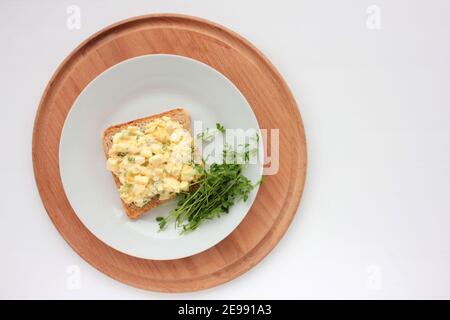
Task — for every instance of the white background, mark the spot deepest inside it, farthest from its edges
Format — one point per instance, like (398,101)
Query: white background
(375,216)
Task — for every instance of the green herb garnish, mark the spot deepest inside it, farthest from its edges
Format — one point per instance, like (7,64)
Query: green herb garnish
(162,222)
(218,189)
(260,181)
(220,127)
(256,137)
(130,158)
(206,136)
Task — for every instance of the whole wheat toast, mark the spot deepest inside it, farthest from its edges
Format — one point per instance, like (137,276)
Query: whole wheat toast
(180,115)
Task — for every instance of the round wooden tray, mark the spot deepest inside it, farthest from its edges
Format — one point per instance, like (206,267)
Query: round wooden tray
(268,95)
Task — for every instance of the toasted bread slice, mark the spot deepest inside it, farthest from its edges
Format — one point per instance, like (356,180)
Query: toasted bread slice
(180,115)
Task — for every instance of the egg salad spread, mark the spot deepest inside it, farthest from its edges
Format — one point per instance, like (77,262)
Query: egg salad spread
(152,160)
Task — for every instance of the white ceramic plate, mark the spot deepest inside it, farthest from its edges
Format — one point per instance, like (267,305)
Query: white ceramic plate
(137,88)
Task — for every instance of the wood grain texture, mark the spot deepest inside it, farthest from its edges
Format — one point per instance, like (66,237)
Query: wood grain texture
(264,89)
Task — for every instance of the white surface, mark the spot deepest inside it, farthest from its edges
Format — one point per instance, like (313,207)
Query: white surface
(375,216)
(134,89)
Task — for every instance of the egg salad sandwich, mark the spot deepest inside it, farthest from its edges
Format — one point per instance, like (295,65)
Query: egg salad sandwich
(151,159)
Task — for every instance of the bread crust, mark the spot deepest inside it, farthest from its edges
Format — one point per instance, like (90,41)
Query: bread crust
(178,114)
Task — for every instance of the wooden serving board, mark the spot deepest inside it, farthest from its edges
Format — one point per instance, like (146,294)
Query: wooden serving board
(271,101)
